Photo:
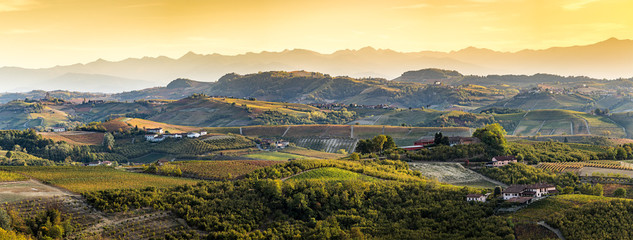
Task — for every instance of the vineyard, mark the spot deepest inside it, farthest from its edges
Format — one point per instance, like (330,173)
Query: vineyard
(577,166)
(89,223)
(218,170)
(179,147)
(329,145)
(85,179)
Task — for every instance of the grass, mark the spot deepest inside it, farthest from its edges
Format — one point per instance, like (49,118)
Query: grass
(273,156)
(87,179)
(11,176)
(331,174)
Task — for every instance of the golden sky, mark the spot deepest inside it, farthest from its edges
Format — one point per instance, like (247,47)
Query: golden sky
(43,33)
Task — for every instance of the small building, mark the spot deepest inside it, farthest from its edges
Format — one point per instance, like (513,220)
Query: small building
(173,135)
(532,190)
(476,198)
(193,135)
(500,161)
(203,133)
(155,130)
(150,137)
(282,144)
(59,129)
(162,162)
(157,139)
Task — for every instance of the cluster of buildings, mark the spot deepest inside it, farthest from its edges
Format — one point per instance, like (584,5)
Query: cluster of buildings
(158,134)
(275,143)
(522,194)
(500,161)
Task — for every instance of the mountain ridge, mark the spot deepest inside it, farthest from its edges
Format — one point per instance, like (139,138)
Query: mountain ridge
(606,59)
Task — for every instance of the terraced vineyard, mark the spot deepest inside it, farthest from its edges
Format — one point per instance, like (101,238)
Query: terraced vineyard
(577,166)
(218,170)
(329,145)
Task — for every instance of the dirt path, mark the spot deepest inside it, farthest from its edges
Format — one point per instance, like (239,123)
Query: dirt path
(587,125)
(556,231)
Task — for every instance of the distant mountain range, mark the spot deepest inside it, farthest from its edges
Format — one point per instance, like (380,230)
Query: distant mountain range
(607,59)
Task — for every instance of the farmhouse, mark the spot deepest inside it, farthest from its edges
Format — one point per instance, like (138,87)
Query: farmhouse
(59,129)
(533,190)
(173,135)
(476,198)
(193,135)
(155,130)
(150,137)
(499,161)
(282,144)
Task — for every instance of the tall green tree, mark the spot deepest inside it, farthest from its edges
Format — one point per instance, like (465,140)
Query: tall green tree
(492,136)
(108,141)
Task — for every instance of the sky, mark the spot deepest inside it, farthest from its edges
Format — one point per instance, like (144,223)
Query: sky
(45,33)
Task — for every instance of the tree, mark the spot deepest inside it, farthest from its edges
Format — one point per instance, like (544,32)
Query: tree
(9,154)
(440,139)
(620,153)
(497,191)
(108,141)
(620,192)
(492,136)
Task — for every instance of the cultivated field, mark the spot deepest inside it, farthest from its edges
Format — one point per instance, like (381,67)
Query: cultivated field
(559,122)
(84,179)
(75,137)
(452,173)
(589,171)
(216,170)
(142,123)
(329,145)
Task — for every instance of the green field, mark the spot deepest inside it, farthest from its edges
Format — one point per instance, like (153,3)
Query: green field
(331,174)
(86,179)
(274,156)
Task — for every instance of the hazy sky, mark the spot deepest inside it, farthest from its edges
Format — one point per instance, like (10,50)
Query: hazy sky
(43,33)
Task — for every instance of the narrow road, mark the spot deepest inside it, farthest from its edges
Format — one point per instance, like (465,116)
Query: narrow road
(587,125)
(556,231)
